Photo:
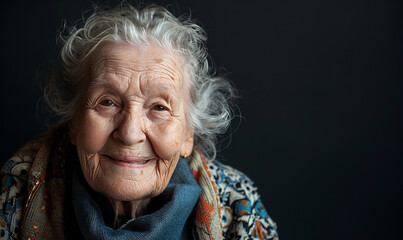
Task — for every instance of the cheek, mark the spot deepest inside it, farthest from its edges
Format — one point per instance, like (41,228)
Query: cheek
(93,132)
(166,139)
(165,171)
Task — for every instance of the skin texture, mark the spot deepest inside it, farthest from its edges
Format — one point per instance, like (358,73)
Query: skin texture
(133,111)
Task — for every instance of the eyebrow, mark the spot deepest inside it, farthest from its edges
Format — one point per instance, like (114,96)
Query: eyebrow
(99,82)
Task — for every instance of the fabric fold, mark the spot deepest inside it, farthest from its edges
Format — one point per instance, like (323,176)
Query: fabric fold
(173,207)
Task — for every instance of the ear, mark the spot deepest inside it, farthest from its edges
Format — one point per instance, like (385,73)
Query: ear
(187,145)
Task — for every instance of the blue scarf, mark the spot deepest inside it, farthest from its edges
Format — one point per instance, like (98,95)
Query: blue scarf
(171,220)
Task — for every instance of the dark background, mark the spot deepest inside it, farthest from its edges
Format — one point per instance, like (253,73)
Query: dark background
(321,86)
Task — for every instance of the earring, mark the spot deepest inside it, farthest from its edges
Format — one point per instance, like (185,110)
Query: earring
(185,156)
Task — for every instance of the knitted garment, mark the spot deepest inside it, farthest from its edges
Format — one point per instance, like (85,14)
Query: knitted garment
(36,203)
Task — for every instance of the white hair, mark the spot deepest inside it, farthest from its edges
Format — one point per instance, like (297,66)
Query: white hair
(209,112)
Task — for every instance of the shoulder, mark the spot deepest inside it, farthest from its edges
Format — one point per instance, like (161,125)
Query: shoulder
(14,183)
(16,168)
(242,212)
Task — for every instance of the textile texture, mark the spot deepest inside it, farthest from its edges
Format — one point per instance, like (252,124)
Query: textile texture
(174,206)
(36,197)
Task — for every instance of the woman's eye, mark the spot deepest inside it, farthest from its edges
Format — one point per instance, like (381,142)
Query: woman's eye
(159,108)
(107,103)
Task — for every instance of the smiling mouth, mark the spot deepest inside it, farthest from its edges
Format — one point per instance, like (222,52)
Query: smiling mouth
(127,160)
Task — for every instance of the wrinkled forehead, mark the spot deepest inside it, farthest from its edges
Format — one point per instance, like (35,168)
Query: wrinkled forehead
(127,60)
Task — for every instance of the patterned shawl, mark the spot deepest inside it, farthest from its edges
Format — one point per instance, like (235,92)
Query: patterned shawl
(45,212)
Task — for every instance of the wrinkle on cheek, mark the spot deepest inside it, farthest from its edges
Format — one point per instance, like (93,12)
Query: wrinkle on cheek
(164,170)
(161,164)
(90,165)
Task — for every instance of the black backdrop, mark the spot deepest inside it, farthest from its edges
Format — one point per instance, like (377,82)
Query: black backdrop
(321,86)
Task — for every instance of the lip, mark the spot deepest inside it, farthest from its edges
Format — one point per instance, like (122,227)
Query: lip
(134,162)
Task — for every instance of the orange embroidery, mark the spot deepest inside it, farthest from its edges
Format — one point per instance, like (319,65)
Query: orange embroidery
(31,195)
(196,175)
(244,203)
(212,183)
(30,236)
(36,231)
(204,165)
(258,231)
(204,213)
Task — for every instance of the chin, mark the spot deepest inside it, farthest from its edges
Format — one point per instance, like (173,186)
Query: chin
(133,192)
(124,183)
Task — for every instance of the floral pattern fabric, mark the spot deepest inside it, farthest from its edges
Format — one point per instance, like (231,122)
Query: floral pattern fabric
(14,179)
(243,215)
(240,211)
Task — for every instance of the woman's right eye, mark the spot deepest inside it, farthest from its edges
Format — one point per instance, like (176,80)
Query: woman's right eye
(107,107)
(107,103)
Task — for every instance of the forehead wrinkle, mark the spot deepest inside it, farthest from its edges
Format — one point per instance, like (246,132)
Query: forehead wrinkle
(170,71)
(130,71)
(112,75)
(166,87)
(156,64)
(115,82)
(97,82)
(153,68)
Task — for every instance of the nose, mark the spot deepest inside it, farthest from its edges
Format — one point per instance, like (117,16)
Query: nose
(130,129)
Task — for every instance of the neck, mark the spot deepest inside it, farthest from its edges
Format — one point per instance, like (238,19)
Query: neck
(126,210)
(116,213)
(131,209)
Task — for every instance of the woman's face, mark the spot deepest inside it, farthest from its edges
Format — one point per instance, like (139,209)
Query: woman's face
(131,127)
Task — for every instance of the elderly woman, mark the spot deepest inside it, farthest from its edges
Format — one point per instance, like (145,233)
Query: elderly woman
(132,157)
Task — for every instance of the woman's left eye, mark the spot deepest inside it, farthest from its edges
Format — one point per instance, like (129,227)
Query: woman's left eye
(107,103)
(159,108)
